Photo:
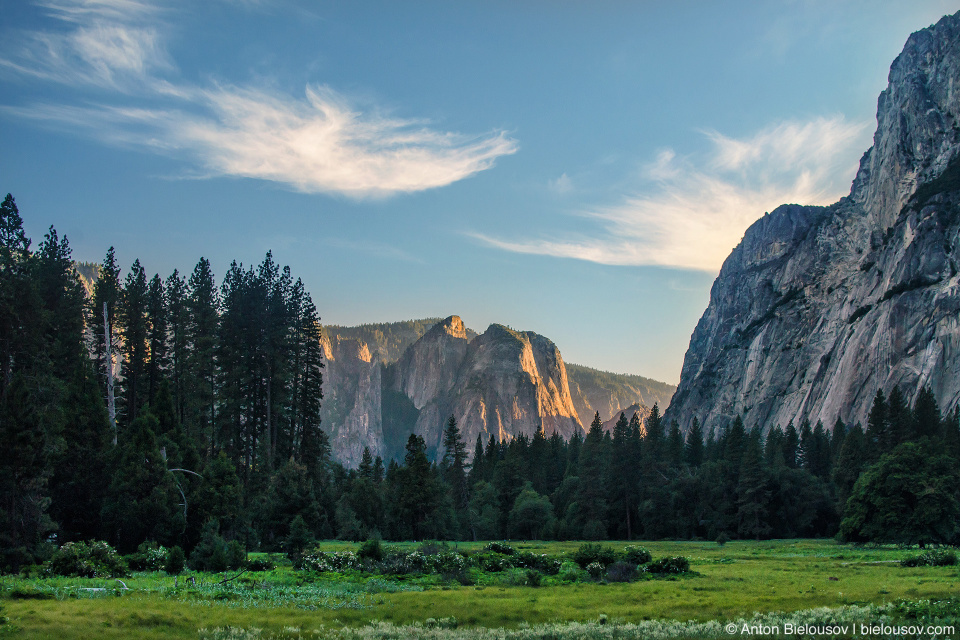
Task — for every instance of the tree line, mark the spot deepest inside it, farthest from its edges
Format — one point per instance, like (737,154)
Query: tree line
(212,429)
(214,417)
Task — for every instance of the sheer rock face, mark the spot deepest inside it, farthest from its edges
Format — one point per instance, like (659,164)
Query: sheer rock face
(501,383)
(350,410)
(818,307)
(506,383)
(513,383)
(429,367)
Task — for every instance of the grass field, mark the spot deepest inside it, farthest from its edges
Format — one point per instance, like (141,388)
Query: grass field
(726,582)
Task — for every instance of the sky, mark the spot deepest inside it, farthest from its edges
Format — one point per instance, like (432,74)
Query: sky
(578,169)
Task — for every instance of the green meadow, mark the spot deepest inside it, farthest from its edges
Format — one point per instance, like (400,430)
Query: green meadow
(730,582)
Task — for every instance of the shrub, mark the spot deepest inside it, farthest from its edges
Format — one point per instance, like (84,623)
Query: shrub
(176,561)
(260,564)
(333,561)
(210,554)
(446,562)
(300,538)
(932,558)
(236,555)
(500,547)
(679,564)
(588,553)
(534,577)
(622,572)
(636,555)
(95,559)
(595,569)
(492,562)
(570,572)
(541,562)
(722,538)
(149,557)
(371,549)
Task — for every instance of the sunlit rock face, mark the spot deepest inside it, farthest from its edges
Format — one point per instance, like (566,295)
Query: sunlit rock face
(508,382)
(350,411)
(818,307)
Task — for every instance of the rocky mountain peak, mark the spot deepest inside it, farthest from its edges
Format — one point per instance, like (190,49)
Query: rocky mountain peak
(818,307)
(917,123)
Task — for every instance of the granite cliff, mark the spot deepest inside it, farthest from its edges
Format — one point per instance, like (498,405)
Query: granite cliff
(502,383)
(818,307)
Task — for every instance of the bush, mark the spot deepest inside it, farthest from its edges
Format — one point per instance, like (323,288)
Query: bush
(595,569)
(176,561)
(300,538)
(95,559)
(933,558)
(636,555)
(210,554)
(372,550)
(500,547)
(541,562)
(149,557)
(622,572)
(534,577)
(570,572)
(679,564)
(588,553)
(236,555)
(260,564)
(723,538)
(338,561)
(492,562)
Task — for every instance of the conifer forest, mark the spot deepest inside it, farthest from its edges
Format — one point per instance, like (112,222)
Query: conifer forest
(185,408)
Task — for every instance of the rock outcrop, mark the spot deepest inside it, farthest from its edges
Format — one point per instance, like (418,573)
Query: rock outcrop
(818,307)
(350,411)
(509,382)
(501,383)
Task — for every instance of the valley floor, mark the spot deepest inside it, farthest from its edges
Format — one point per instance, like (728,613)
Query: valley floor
(726,583)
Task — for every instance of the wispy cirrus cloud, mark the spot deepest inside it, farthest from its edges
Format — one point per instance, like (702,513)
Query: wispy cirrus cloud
(694,210)
(315,144)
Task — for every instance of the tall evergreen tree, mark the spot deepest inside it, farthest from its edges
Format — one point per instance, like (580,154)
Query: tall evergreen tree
(693,449)
(201,367)
(157,337)
(134,330)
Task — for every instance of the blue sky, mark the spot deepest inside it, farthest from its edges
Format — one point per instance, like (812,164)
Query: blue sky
(578,169)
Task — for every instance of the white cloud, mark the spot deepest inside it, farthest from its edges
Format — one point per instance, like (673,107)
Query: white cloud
(562,185)
(319,144)
(694,213)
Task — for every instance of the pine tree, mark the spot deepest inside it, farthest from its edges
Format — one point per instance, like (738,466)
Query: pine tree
(177,318)
(454,469)
(850,462)
(622,478)
(877,436)
(157,335)
(133,329)
(591,497)
(694,445)
(926,415)
(14,288)
(201,366)
(753,491)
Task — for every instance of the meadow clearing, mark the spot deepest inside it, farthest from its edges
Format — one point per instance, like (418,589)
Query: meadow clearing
(726,583)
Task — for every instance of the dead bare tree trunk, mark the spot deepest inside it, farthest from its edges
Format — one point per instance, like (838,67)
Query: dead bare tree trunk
(107,343)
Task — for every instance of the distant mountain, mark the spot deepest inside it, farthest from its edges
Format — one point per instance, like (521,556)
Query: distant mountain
(503,382)
(818,307)
(610,393)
